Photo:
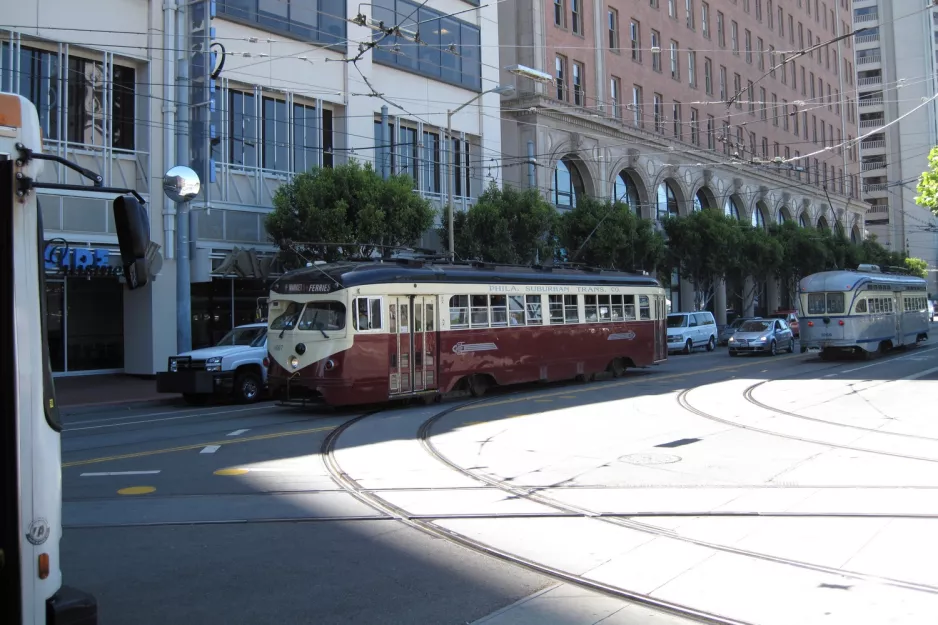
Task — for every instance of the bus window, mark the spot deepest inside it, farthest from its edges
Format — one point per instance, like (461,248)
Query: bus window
(861,306)
(817,303)
(835,303)
(286,319)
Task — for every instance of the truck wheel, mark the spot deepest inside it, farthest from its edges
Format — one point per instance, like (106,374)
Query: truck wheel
(247,387)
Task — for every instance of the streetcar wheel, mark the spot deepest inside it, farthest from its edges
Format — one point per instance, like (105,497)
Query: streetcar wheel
(247,387)
(711,344)
(617,368)
(478,385)
(688,346)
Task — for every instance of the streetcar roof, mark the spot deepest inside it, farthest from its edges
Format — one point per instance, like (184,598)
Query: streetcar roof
(845,280)
(342,275)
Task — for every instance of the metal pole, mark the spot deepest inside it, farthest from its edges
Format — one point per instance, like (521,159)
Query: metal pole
(183,299)
(385,147)
(451,182)
(169,111)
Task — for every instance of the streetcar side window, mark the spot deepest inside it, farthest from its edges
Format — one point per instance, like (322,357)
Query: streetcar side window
(533,310)
(555,308)
(605,308)
(591,309)
(516,310)
(479,311)
(618,313)
(458,312)
(644,306)
(861,306)
(571,308)
(431,319)
(499,305)
(629,307)
(367,314)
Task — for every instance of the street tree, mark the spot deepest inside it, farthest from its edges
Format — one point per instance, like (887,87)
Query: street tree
(609,235)
(333,213)
(704,248)
(917,267)
(759,257)
(505,225)
(928,184)
(804,251)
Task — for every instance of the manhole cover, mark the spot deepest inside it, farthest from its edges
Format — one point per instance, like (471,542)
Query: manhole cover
(650,459)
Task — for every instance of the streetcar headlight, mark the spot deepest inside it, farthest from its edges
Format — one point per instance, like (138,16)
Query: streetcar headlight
(294,362)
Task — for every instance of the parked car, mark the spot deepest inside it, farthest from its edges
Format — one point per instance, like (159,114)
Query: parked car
(688,330)
(766,336)
(731,328)
(790,317)
(236,366)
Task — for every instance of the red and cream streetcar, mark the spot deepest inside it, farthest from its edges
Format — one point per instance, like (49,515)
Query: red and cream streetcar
(369,332)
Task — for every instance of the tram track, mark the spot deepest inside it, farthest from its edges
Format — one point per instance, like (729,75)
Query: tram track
(393,511)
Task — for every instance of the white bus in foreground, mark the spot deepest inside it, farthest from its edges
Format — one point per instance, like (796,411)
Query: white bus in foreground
(864,312)
(31,590)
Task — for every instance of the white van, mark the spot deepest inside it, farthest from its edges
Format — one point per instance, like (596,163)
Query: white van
(687,330)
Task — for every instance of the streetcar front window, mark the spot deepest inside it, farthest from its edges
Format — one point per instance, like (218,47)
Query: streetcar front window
(835,303)
(287,319)
(322,316)
(829,303)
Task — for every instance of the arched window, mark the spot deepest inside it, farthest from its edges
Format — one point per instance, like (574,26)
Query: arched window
(567,183)
(702,200)
(782,216)
(855,235)
(731,208)
(758,217)
(803,220)
(625,191)
(822,223)
(667,200)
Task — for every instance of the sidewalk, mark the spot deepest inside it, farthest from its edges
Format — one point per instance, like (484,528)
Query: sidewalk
(97,391)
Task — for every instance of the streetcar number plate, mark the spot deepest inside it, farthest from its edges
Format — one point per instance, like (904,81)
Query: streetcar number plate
(814,350)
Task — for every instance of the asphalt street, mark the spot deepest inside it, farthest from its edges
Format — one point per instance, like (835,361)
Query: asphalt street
(228,514)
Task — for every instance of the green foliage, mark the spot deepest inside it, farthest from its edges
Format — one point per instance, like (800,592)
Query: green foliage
(503,226)
(622,240)
(760,255)
(928,184)
(704,247)
(917,267)
(804,251)
(350,205)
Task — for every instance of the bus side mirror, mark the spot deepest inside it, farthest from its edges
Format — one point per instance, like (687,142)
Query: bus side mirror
(133,237)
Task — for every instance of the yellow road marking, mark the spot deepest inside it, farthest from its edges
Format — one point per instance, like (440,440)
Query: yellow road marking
(136,490)
(543,401)
(231,472)
(602,387)
(475,422)
(168,450)
(568,397)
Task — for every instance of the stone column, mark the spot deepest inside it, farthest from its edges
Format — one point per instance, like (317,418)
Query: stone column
(748,297)
(719,302)
(687,295)
(773,295)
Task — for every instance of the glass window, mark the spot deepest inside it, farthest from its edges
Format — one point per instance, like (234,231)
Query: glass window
(276,135)
(367,314)
(323,315)
(242,130)
(516,310)
(458,312)
(320,21)
(817,303)
(591,308)
(754,326)
(555,308)
(835,303)
(479,317)
(431,319)
(211,311)
(55,323)
(499,305)
(677,321)
(533,309)
(571,309)
(644,306)
(244,336)
(94,324)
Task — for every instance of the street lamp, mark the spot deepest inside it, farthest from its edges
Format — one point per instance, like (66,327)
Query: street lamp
(501,89)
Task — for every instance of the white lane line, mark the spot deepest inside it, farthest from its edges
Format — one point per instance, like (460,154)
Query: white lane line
(210,449)
(238,432)
(920,374)
(157,414)
(191,416)
(110,473)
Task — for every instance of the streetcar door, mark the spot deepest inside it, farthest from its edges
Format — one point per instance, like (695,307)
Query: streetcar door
(661,331)
(425,342)
(401,348)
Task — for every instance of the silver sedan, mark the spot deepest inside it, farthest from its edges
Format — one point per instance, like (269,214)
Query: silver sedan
(764,336)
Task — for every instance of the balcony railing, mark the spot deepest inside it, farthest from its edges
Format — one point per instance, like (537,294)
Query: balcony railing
(870,80)
(872,123)
(866,17)
(872,165)
(867,60)
(871,102)
(875,188)
(879,209)
(867,38)
(872,145)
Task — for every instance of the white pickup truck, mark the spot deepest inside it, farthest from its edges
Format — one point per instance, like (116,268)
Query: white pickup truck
(236,365)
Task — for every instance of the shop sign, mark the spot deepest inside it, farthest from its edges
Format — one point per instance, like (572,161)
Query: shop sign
(78,260)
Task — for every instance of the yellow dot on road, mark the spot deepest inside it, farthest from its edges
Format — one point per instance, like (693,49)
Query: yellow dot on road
(231,472)
(136,490)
